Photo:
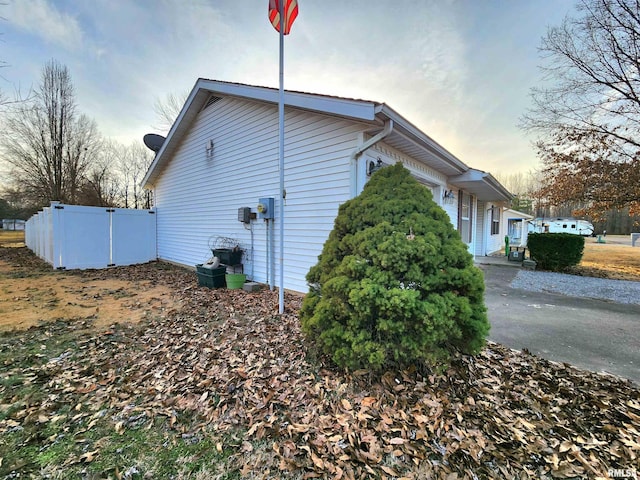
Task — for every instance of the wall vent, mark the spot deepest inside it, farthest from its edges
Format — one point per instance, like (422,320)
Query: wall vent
(212,99)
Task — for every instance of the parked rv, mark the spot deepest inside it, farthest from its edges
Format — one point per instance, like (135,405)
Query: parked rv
(561,225)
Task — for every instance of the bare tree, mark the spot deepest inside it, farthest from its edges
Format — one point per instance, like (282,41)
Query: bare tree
(132,162)
(588,116)
(141,158)
(167,110)
(113,180)
(526,190)
(593,63)
(100,187)
(514,182)
(102,183)
(4,98)
(48,145)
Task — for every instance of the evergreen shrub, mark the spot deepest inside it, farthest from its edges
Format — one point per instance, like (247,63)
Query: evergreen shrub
(394,284)
(555,251)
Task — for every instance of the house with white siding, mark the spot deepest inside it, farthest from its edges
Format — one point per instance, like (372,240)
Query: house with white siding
(222,154)
(516,227)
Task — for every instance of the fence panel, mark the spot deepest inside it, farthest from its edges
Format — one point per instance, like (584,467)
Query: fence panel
(80,237)
(133,236)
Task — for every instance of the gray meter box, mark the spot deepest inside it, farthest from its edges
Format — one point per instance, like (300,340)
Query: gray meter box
(266,208)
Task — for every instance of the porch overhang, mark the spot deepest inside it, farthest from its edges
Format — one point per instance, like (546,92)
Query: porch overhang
(482,185)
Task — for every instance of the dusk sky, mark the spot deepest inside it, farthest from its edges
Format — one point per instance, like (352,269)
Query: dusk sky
(460,70)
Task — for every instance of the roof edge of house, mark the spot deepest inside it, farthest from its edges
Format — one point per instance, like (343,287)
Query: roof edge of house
(355,109)
(418,136)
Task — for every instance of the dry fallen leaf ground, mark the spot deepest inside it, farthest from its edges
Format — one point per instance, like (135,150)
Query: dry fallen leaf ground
(221,369)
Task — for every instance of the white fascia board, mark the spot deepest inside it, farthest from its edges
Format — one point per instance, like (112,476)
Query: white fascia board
(421,138)
(471,175)
(498,187)
(516,214)
(176,127)
(344,107)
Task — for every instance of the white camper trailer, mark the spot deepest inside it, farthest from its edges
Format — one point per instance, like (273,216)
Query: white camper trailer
(561,225)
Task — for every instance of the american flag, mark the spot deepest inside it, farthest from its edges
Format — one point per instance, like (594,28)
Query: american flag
(290,14)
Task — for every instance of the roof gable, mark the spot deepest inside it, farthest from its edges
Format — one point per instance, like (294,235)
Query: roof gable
(405,136)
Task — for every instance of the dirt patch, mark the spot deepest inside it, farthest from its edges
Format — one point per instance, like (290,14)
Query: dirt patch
(25,302)
(32,293)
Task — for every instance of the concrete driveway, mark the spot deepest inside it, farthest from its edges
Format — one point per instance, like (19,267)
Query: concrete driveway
(590,334)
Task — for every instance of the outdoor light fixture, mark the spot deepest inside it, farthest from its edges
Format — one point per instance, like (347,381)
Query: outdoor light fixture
(449,196)
(209,149)
(373,167)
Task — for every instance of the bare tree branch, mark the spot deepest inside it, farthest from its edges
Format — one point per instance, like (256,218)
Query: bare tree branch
(48,145)
(587,114)
(167,110)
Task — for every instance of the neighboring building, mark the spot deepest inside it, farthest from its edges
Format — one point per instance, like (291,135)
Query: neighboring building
(516,227)
(12,224)
(222,154)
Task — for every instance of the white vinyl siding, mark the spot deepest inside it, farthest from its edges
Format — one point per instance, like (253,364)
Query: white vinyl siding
(197,195)
(486,242)
(494,241)
(451,206)
(197,198)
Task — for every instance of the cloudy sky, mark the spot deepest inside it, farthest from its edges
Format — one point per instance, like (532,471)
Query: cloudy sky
(460,70)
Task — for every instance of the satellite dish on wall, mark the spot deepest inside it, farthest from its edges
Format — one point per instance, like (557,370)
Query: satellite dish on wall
(153,141)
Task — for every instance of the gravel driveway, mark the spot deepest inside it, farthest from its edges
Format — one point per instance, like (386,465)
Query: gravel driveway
(618,291)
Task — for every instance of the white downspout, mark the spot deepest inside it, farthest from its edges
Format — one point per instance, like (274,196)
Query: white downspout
(353,159)
(487,229)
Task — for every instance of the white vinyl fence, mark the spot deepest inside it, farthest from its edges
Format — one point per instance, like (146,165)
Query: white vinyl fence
(74,236)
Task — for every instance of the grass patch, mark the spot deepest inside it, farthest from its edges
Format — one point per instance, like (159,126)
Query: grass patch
(11,238)
(52,429)
(23,274)
(150,451)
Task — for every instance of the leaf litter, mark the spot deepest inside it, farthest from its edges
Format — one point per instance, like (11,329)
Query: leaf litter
(224,364)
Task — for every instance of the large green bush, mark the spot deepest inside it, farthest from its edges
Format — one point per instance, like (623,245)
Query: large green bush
(555,251)
(394,284)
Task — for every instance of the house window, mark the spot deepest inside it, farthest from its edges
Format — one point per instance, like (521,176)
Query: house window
(464,216)
(495,221)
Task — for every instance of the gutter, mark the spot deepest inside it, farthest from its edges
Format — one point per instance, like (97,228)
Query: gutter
(421,139)
(353,159)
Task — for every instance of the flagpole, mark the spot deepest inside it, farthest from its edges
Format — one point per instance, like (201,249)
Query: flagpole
(281,159)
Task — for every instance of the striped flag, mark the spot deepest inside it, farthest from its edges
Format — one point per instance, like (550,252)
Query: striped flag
(290,14)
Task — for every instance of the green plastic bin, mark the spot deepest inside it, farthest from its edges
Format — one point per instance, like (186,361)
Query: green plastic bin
(228,256)
(211,277)
(235,280)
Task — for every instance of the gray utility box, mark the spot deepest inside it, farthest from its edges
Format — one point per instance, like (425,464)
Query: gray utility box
(266,208)
(516,256)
